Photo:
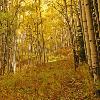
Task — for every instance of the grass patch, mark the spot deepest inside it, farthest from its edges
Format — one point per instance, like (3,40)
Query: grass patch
(54,81)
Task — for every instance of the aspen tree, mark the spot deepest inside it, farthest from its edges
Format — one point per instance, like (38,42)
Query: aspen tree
(92,41)
(42,35)
(85,29)
(75,54)
(80,40)
(67,20)
(4,39)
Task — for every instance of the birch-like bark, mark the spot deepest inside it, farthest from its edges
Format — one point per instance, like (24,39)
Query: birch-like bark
(85,29)
(92,41)
(91,33)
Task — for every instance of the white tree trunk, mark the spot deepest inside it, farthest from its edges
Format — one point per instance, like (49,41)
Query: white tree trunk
(85,29)
(14,56)
(92,41)
(94,56)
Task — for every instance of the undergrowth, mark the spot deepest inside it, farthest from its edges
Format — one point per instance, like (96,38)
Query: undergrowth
(53,81)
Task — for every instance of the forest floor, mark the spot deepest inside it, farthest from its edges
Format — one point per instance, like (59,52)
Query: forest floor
(54,81)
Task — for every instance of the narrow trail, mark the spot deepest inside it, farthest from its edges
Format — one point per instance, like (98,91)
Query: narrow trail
(53,81)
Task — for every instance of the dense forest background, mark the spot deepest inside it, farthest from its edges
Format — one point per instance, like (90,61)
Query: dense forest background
(49,49)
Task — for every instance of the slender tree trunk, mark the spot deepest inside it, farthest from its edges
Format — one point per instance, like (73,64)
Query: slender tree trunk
(3,62)
(85,29)
(14,54)
(99,9)
(71,35)
(67,22)
(42,36)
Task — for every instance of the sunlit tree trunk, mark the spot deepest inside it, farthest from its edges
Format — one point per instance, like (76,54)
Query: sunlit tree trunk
(67,22)
(8,47)
(92,41)
(42,35)
(14,53)
(85,29)
(4,38)
(69,28)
